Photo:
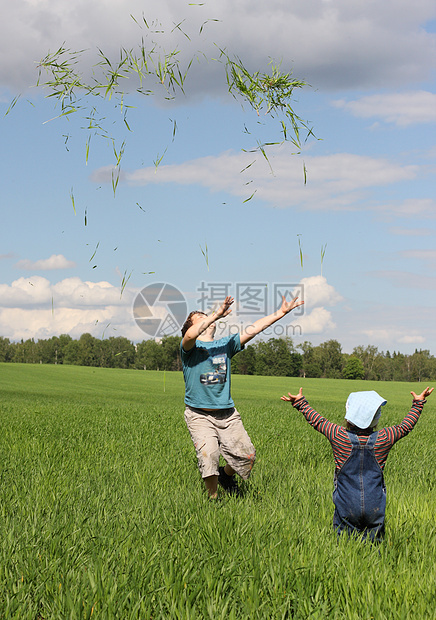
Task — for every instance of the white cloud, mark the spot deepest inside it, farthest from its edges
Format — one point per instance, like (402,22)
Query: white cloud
(37,291)
(333,44)
(74,291)
(415,339)
(56,261)
(318,321)
(407,108)
(36,308)
(335,182)
(394,336)
(317,292)
(25,292)
(38,323)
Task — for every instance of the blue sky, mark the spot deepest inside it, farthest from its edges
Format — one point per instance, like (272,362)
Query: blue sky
(368,203)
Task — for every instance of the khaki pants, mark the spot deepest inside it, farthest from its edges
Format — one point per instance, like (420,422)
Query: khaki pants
(220,432)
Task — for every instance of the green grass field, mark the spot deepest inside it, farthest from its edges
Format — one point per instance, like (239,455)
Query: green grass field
(103,513)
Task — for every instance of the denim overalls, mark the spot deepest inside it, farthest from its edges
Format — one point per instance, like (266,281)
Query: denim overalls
(360,493)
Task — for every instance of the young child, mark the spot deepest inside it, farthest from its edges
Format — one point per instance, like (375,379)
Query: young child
(360,453)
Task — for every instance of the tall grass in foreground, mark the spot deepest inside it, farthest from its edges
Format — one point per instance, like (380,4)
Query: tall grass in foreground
(103,514)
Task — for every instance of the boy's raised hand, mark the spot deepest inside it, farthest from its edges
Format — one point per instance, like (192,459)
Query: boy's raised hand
(291,398)
(423,395)
(225,308)
(287,306)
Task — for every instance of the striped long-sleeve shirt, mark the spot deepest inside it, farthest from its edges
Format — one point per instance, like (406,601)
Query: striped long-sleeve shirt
(340,442)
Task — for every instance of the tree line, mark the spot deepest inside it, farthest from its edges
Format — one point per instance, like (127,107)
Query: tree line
(275,357)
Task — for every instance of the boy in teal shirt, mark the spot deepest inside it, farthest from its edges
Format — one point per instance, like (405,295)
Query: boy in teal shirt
(213,422)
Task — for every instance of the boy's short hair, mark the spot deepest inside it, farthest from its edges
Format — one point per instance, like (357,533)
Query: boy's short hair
(187,324)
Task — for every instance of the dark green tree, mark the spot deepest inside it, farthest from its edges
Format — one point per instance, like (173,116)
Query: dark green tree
(115,352)
(277,357)
(51,351)
(400,367)
(171,353)
(353,369)
(149,355)
(368,356)
(311,363)
(245,362)
(70,353)
(88,353)
(62,343)
(421,366)
(25,352)
(6,350)
(330,359)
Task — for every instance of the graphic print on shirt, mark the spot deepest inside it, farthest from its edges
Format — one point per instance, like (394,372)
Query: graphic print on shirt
(217,370)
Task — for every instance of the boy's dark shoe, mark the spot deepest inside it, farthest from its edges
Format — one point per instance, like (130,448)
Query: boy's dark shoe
(228,483)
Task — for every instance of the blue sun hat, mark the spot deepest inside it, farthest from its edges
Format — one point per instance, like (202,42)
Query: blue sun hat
(363,409)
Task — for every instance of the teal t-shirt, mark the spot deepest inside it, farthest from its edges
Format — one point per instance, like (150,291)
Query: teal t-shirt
(206,369)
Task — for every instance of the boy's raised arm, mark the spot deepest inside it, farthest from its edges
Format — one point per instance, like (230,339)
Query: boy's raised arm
(259,326)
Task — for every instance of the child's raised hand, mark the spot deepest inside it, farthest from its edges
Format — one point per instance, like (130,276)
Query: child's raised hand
(291,398)
(288,306)
(225,308)
(423,395)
